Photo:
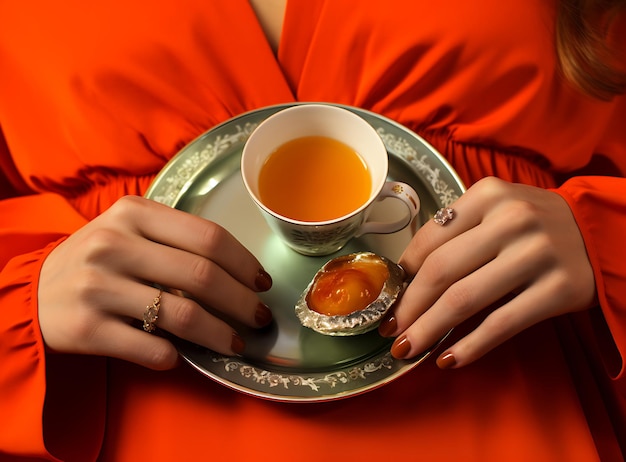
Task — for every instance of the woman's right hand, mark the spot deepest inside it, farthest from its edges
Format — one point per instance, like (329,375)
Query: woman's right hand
(98,282)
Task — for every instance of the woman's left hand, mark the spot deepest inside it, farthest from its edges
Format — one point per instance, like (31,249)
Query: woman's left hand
(512,249)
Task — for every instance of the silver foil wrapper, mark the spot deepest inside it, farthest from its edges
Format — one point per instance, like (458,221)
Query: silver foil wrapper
(357,322)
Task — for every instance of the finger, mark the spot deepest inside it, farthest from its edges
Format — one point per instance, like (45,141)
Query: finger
(447,264)
(177,315)
(199,277)
(186,319)
(185,231)
(133,345)
(483,199)
(521,312)
(432,236)
(465,298)
(502,232)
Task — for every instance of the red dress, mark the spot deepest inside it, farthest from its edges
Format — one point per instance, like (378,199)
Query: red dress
(96,96)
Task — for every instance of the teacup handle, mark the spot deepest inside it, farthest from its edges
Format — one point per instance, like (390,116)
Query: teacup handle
(396,190)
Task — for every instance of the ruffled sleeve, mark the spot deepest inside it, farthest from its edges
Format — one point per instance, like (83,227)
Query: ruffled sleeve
(599,206)
(43,414)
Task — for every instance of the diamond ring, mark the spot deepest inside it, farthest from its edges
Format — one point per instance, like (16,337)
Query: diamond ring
(443,215)
(151,314)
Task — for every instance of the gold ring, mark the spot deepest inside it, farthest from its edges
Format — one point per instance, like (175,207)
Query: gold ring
(443,216)
(151,314)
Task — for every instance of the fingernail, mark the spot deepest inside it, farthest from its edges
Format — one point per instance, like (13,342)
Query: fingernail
(237,344)
(263,281)
(446,361)
(401,347)
(388,326)
(263,315)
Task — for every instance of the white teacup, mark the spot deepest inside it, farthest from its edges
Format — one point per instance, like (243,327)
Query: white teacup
(328,236)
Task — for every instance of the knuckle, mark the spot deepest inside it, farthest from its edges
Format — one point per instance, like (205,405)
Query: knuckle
(184,314)
(125,207)
(435,270)
(202,271)
(460,301)
(497,325)
(129,202)
(88,287)
(567,288)
(101,244)
(490,188)
(161,355)
(130,212)
(213,237)
(520,216)
(544,250)
(536,251)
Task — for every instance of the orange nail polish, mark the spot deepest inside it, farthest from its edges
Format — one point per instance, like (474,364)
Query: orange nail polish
(263,281)
(263,315)
(388,326)
(446,361)
(401,347)
(237,344)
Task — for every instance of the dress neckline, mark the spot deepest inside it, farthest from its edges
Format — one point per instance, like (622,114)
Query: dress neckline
(270,15)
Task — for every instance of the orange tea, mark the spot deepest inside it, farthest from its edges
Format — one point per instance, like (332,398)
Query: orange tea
(314,178)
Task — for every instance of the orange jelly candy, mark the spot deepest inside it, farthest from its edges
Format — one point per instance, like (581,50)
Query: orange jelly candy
(347,286)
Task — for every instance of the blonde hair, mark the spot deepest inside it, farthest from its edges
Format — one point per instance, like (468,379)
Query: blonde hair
(583,44)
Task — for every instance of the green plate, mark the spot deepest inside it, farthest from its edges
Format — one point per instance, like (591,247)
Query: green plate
(287,362)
